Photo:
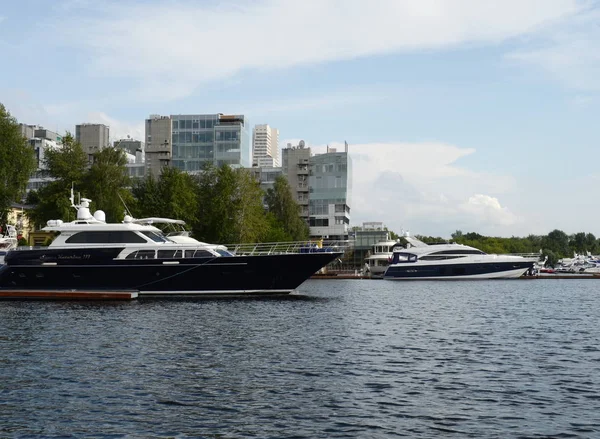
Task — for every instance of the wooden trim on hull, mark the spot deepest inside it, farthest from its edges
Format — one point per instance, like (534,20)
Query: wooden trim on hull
(67,294)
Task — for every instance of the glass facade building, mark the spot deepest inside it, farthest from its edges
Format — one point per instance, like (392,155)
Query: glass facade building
(330,183)
(215,138)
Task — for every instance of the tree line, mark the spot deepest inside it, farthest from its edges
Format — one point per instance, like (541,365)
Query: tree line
(220,205)
(556,244)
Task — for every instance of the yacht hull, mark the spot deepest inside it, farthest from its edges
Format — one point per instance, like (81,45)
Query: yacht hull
(479,270)
(85,269)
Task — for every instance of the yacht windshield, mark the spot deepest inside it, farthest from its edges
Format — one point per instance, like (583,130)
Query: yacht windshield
(404,257)
(155,237)
(223,252)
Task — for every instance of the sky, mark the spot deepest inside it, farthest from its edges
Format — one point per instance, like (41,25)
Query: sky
(472,115)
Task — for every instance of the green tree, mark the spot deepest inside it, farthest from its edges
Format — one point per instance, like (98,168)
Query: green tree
(67,165)
(172,195)
(106,183)
(282,205)
(230,207)
(17,162)
(558,242)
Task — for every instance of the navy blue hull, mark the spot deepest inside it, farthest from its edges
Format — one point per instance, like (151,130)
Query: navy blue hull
(449,271)
(98,270)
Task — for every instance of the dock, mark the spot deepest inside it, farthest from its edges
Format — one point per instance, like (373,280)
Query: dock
(536,277)
(6,293)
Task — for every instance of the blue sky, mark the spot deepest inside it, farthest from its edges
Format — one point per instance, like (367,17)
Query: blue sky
(460,114)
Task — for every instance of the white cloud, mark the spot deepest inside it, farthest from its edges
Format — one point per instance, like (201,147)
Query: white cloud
(420,186)
(487,210)
(172,47)
(118,129)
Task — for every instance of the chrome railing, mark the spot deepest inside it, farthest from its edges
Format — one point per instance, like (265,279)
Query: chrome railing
(274,248)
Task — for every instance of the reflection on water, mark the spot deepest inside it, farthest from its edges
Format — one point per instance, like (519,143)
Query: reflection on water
(350,358)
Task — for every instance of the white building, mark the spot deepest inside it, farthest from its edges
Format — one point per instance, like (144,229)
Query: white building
(265,146)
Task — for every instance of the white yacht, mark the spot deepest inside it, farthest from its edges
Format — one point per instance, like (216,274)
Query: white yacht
(377,262)
(454,261)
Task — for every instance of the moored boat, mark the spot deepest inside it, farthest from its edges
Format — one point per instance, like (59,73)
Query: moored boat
(454,261)
(89,254)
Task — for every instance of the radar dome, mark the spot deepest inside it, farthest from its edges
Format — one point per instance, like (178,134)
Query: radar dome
(100,216)
(127,219)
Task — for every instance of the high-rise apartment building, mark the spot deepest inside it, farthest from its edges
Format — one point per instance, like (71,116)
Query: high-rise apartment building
(92,136)
(158,151)
(265,146)
(295,163)
(216,138)
(330,184)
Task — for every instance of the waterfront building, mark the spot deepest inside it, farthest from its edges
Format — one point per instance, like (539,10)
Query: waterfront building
(295,163)
(265,146)
(40,140)
(158,150)
(330,185)
(364,238)
(93,137)
(214,138)
(266,176)
(27,131)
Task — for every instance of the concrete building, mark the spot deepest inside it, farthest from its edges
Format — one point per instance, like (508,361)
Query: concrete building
(28,131)
(158,151)
(215,138)
(295,163)
(330,185)
(266,176)
(93,137)
(265,146)
(40,140)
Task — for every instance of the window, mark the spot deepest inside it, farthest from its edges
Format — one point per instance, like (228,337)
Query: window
(108,237)
(404,257)
(459,252)
(175,124)
(154,236)
(169,254)
(198,254)
(141,254)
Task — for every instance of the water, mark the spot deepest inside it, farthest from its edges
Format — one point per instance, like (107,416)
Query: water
(354,359)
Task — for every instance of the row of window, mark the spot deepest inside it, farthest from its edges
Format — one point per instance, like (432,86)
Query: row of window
(169,254)
(190,124)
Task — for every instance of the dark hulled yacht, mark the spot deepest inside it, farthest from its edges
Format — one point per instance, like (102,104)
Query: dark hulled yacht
(90,254)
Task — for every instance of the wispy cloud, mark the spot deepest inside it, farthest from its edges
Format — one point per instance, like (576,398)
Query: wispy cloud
(178,45)
(570,52)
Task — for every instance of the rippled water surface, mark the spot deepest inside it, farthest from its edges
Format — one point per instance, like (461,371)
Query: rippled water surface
(356,359)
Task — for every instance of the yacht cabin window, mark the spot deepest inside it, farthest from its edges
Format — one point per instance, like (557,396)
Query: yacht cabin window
(141,254)
(459,252)
(404,257)
(106,237)
(198,254)
(169,254)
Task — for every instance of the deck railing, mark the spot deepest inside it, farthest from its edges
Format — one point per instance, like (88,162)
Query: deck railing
(274,248)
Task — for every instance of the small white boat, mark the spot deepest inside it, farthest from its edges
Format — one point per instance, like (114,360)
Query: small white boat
(378,261)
